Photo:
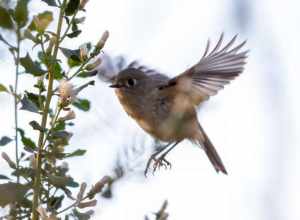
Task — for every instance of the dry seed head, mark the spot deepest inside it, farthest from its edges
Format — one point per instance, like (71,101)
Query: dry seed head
(66,92)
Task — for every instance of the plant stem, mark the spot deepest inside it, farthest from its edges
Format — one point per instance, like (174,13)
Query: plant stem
(37,180)
(69,25)
(16,101)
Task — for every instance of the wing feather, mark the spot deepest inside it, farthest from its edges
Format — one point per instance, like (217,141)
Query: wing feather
(215,69)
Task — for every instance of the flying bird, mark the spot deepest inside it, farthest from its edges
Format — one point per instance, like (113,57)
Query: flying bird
(166,107)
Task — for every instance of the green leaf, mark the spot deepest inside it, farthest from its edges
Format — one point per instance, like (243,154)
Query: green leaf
(72,183)
(82,104)
(41,21)
(3,88)
(21,12)
(5,140)
(72,7)
(59,181)
(36,126)
(11,193)
(85,74)
(74,34)
(35,99)
(60,137)
(76,153)
(31,67)
(60,125)
(3,177)
(55,202)
(25,172)
(5,19)
(73,56)
(58,73)
(82,215)
(28,105)
(50,2)
(28,143)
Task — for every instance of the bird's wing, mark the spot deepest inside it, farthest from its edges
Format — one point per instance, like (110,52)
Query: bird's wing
(215,69)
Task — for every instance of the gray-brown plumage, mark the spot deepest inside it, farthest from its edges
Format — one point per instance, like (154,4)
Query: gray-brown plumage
(166,108)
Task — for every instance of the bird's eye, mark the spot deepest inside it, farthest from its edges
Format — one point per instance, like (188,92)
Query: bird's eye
(131,82)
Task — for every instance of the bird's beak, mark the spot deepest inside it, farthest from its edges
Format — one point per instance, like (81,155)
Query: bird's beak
(115,86)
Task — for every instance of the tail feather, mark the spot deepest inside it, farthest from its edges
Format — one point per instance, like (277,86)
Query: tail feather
(211,152)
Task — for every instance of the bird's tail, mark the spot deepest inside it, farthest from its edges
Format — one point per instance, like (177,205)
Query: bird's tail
(210,151)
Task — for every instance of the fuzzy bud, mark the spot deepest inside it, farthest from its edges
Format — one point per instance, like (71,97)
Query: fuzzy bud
(8,160)
(81,191)
(83,53)
(91,203)
(102,40)
(99,186)
(82,4)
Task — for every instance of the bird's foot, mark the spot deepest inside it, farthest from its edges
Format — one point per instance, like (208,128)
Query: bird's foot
(161,162)
(157,163)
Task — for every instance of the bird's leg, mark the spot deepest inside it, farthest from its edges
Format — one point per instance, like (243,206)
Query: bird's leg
(161,160)
(153,157)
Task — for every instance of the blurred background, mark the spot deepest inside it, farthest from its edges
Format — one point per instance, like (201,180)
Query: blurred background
(252,122)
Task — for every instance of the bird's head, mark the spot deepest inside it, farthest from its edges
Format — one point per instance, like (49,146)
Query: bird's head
(130,81)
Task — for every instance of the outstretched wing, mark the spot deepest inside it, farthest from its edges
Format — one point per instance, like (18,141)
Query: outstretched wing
(215,69)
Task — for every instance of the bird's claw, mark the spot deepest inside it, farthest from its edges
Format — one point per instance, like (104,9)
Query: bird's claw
(158,163)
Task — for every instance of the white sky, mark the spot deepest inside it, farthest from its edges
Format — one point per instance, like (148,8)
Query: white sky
(252,123)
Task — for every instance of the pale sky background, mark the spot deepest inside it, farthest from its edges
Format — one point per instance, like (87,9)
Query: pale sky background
(253,122)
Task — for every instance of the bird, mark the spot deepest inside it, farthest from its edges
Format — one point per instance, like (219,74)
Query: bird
(166,108)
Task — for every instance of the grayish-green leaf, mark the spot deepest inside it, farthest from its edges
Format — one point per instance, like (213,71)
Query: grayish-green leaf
(5,19)
(28,143)
(41,21)
(11,193)
(5,140)
(50,2)
(72,7)
(78,152)
(74,34)
(82,104)
(36,126)
(28,105)
(3,177)
(82,215)
(31,67)
(3,88)
(21,12)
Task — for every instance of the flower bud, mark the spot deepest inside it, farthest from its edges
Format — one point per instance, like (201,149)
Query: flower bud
(91,203)
(82,4)
(93,65)
(99,186)
(8,160)
(83,53)
(103,40)
(81,191)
